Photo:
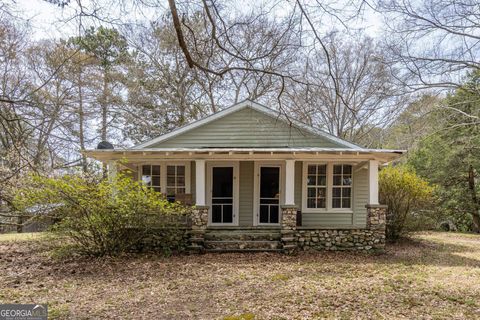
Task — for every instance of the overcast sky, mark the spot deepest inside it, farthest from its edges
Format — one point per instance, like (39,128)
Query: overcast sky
(50,21)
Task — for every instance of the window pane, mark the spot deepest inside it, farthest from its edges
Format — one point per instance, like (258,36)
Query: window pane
(146,170)
(157,189)
(311,203)
(222,183)
(336,192)
(337,169)
(216,213)
(322,169)
(155,181)
(312,169)
(227,213)
(180,191)
(263,214)
(347,169)
(171,170)
(322,180)
(171,181)
(312,180)
(321,192)
(156,170)
(311,192)
(336,203)
(180,181)
(170,191)
(346,203)
(181,170)
(347,180)
(274,214)
(321,203)
(346,192)
(337,180)
(147,180)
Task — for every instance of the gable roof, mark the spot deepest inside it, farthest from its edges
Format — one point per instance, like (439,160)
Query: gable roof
(247,104)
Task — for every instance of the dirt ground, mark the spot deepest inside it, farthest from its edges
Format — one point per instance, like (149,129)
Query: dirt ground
(431,276)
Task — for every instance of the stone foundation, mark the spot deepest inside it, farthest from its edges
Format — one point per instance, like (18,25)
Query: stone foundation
(370,238)
(289,239)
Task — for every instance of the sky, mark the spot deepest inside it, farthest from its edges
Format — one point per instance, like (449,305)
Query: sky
(49,21)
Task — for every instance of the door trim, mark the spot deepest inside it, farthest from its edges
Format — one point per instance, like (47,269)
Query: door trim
(236,189)
(256,190)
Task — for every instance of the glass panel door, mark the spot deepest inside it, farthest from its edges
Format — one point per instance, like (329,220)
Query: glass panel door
(222,195)
(269,206)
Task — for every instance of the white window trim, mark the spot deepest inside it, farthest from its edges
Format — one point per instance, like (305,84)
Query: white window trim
(163,173)
(236,190)
(328,208)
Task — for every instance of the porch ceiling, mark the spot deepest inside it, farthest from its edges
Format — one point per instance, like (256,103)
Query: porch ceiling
(383,155)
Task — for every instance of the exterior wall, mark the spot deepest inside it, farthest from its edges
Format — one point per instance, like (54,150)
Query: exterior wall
(328,220)
(246,194)
(357,218)
(360,197)
(193,180)
(298,183)
(246,128)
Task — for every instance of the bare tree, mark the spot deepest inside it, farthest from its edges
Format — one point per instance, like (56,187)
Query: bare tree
(436,42)
(365,96)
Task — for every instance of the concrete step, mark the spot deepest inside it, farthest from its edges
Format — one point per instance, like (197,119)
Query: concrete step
(242,250)
(242,245)
(242,236)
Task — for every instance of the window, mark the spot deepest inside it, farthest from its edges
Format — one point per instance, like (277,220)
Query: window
(168,178)
(342,186)
(327,187)
(316,186)
(175,180)
(151,176)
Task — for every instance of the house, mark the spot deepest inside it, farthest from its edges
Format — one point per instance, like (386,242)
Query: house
(262,181)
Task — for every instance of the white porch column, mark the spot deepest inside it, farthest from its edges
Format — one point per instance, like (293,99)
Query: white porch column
(200,183)
(373,182)
(289,182)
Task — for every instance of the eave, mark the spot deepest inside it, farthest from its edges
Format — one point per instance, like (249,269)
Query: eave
(383,155)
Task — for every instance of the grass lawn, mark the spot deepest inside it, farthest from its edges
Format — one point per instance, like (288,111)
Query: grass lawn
(431,276)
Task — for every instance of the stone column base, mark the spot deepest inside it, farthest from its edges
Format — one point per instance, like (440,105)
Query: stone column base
(289,225)
(199,226)
(376,223)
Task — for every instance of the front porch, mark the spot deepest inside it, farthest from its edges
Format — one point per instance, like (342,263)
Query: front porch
(267,200)
(328,190)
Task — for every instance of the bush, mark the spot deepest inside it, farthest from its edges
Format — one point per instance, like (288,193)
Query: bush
(106,217)
(407,196)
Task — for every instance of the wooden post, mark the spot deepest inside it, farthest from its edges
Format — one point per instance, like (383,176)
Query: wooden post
(200,182)
(373,182)
(290,182)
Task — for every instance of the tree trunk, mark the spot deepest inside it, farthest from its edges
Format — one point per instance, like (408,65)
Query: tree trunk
(476,205)
(104,106)
(81,119)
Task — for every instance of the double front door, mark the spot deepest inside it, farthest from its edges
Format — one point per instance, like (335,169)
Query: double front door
(223,190)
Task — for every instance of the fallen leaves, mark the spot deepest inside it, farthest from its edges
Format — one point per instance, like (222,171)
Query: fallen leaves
(435,275)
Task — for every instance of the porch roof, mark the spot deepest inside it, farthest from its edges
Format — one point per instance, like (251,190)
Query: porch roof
(383,155)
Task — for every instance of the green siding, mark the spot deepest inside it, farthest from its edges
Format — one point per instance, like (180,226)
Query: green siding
(246,128)
(298,184)
(245,217)
(192,180)
(327,219)
(360,194)
(343,219)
